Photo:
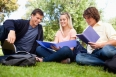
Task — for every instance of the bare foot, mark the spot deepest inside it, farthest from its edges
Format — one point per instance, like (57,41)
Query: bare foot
(66,61)
(39,59)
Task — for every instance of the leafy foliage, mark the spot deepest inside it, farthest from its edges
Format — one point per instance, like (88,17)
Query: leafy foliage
(52,10)
(6,7)
(113,22)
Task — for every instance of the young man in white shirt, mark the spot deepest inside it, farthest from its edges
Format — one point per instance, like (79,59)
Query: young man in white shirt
(104,48)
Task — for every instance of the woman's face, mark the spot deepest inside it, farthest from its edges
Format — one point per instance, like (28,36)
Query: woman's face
(63,20)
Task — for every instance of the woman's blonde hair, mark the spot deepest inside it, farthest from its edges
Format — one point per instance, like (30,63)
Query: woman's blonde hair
(68,16)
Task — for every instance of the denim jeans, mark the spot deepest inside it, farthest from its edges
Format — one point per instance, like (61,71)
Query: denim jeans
(97,57)
(3,57)
(50,55)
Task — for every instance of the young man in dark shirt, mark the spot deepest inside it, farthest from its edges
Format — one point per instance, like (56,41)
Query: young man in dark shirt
(23,33)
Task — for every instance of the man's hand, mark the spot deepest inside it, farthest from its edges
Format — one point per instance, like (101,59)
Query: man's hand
(11,36)
(95,45)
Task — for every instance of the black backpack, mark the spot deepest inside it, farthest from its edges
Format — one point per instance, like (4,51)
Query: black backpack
(20,59)
(110,65)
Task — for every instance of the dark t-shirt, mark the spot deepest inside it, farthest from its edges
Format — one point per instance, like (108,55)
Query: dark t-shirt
(26,43)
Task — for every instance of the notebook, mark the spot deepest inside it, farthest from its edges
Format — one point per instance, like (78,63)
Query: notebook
(71,43)
(9,46)
(89,35)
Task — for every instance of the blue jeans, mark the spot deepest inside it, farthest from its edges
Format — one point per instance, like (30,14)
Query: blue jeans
(50,55)
(97,57)
(3,57)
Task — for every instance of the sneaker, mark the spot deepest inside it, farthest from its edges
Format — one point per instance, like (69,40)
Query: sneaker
(66,61)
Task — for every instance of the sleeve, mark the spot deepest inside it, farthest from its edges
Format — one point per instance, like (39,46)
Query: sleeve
(41,35)
(12,24)
(73,33)
(110,32)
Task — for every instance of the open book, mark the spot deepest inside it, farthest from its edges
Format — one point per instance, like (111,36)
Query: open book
(71,43)
(9,46)
(89,35)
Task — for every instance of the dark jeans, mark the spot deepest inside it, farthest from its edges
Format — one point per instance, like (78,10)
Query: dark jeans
(50,55)
(97,57)
(3,57)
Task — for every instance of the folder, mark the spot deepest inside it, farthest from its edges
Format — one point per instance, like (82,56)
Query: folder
(9,46)
(71,43)
(89,35)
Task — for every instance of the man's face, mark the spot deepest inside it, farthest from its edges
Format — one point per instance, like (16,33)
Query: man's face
(36,19)
(90,21)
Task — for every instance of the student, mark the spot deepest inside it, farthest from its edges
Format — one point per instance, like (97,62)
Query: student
(23,33)
(65,33)
(104,48)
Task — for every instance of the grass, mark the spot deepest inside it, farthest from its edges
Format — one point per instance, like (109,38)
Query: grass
(1,52)
(53,69)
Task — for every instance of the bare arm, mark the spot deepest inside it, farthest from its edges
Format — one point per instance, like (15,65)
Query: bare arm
(101,45)
(11,36)
(56,39)
(72,38)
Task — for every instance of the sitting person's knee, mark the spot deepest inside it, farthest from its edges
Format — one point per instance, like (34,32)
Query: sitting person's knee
(66,49)
(108,51)
(108,48)
(38,48)
(79,58)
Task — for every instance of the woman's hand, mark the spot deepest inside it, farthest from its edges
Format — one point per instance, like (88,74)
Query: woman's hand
(55,48)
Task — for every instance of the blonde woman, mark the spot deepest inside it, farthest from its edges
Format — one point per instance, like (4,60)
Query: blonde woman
(65,33)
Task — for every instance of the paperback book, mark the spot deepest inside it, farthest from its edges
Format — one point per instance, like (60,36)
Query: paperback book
(71,43)
(89,35)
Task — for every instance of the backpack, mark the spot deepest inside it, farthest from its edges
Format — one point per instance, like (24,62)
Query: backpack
(110,65)
(20,59)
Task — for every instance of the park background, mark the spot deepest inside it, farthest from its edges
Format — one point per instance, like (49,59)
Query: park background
(21,9)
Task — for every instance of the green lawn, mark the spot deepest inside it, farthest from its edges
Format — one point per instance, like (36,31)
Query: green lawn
(52,69)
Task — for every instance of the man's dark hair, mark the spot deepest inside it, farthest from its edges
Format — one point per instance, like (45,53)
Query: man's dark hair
(92,12)
(39,11)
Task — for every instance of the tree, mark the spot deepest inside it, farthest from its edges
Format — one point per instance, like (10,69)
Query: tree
(52,10)
(6,7)
(113,22)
